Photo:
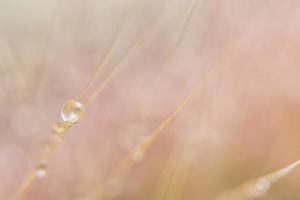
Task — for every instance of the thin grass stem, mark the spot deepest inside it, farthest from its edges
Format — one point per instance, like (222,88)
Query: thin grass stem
(259,187)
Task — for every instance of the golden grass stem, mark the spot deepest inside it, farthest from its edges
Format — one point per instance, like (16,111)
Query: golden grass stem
(118,66)
(126,163)
(171,183)
(179,37)
(30,179)
(106,57)
(259,187)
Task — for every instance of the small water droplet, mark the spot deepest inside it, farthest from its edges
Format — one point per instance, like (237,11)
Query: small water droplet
(60,127)
(58,130)
(258,188)
(41,170)
(137,156)
(72,111)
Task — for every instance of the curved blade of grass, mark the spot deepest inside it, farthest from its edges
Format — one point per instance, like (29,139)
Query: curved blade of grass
(258,187)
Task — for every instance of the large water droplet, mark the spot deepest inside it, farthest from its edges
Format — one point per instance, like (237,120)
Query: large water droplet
(72,111)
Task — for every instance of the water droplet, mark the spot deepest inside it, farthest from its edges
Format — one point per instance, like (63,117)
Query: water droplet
(263,185)
(258,188)
(137,156)
(72,111)
(58,131)
(60,127)
(41,170)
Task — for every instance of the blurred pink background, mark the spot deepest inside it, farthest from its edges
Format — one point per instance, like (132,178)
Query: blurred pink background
(242,124)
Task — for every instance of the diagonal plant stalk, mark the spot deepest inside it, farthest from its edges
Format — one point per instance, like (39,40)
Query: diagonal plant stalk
(140,149)
(181,32)
(258,187)
(61,128)
(50,149)
(137,154)
(179,36)
(173,178)
(167,56)
(106,57)
(119,65)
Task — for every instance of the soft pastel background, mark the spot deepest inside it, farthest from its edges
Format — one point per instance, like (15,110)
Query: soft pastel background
(243,123)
